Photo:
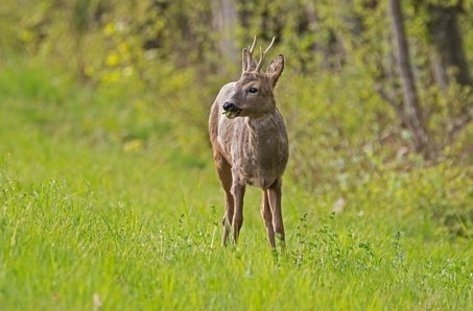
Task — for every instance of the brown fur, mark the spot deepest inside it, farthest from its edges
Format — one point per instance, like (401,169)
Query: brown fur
(251,148)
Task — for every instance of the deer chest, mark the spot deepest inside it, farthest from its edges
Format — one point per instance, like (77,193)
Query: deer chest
(261,161)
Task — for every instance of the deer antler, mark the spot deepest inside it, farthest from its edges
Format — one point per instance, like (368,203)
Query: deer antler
(252,48)
(263,55)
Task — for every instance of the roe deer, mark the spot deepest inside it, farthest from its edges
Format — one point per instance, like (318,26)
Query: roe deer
(249,143)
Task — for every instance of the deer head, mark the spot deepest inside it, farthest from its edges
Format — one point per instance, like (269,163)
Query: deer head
(253,92)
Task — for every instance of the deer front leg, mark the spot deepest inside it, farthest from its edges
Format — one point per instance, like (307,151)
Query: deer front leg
(238,191)
(274,198)
(228,217)
(268,218)
(224,172)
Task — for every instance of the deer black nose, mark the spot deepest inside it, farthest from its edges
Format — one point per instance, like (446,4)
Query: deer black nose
(227,106)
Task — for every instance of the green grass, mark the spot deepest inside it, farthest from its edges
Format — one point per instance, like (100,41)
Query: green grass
(100,208)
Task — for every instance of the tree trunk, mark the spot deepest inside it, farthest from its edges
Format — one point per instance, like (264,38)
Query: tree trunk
(447,41)
(449,59)
(224,22)
(411,110)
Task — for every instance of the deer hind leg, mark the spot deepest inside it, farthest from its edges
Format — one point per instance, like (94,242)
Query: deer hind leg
(274,197)
(267,218)
(224,172)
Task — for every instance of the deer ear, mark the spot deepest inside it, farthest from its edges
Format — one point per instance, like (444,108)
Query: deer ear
(275,69)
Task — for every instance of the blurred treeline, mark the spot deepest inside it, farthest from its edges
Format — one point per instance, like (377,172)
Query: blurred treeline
(355,100)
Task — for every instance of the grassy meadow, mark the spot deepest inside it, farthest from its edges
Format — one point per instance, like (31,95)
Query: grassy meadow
(109,201)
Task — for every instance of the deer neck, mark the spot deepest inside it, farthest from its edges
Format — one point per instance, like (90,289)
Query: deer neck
(262,126)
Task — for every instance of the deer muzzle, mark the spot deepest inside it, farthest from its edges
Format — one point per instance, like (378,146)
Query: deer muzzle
(230,110)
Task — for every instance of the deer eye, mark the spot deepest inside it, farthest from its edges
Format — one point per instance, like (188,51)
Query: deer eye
(252,90)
